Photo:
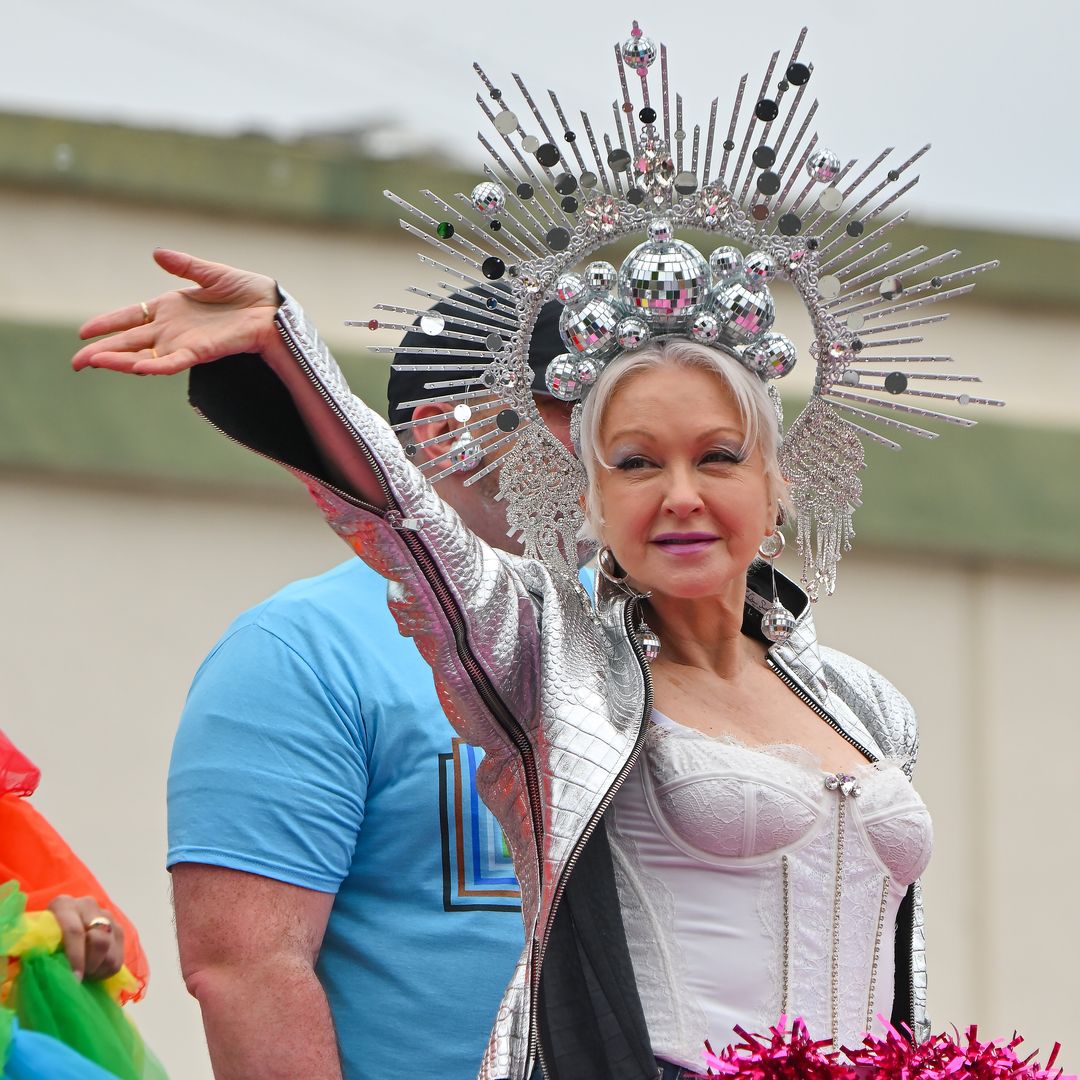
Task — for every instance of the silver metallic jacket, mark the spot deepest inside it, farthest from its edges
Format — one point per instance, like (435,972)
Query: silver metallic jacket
(553,686)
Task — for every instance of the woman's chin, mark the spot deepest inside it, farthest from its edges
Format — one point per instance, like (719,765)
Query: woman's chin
(692,579)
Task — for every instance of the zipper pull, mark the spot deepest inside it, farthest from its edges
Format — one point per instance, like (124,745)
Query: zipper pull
(396,520)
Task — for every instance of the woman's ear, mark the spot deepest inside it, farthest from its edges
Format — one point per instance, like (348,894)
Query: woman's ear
(435,436)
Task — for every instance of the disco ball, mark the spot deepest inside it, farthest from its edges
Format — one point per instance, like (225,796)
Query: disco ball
(759,266)
(724,262)
(638,51)
(590,330)
(823,165)
(705,328)
(660,229)
(488,198)
(572,288)
(745,312)
(561,377)
(772,356)
(585,373)
(600,276)
(632,332)
(664,283)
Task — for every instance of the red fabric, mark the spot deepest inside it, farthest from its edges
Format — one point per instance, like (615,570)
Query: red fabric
(18,774)
(35,855)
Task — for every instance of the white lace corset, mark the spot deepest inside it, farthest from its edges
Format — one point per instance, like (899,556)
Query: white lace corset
(738,868)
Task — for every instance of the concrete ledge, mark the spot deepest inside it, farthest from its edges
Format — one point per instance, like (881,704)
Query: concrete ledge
(997,491)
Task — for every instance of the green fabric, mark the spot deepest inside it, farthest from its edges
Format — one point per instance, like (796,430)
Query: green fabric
(6,1017)
(12,906)
(47,998)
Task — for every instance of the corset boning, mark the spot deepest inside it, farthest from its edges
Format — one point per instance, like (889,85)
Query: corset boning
(735,867)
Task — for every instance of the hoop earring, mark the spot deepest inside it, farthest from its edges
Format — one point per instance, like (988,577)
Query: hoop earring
(608,566)
(777,623)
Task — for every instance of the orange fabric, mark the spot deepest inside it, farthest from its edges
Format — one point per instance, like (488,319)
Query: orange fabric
(35,855)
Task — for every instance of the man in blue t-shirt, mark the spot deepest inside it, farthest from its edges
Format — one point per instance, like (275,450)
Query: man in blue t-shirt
(345,903)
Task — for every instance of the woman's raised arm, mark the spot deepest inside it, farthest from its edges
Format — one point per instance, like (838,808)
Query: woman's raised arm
(262,375)
(226,312)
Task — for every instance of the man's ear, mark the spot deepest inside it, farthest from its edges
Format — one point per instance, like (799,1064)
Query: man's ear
(438,431)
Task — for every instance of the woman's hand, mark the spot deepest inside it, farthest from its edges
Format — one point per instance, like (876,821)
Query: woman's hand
(93,942)
(227,311)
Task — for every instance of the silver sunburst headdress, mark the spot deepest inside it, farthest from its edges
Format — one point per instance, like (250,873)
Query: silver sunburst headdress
(800,214)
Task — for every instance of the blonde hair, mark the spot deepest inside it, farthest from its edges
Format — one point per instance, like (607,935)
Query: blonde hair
(756,410)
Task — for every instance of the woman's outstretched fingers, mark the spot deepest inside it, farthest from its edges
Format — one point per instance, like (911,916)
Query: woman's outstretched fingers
(169,364)
(128,341)
(225,312)
(125,318)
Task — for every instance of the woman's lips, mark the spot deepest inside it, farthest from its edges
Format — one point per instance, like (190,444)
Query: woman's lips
(684,543)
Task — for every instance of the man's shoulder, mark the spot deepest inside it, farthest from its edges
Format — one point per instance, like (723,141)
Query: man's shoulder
(336,623)
(344,599)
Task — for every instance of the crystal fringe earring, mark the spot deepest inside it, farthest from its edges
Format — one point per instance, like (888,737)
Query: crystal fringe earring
(777,623)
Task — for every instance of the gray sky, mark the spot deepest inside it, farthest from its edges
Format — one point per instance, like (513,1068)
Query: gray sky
(988,84)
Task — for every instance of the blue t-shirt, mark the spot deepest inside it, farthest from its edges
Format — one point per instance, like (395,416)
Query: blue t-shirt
(313,750)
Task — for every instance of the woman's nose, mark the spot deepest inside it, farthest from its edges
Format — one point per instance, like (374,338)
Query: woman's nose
(683,495)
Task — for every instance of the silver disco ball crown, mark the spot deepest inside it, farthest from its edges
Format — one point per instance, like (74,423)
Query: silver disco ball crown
(664,282)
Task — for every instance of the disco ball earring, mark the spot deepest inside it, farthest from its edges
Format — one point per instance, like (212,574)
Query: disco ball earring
(466,452)
(777,623)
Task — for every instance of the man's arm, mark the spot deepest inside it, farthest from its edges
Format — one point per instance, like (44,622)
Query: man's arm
(248,947)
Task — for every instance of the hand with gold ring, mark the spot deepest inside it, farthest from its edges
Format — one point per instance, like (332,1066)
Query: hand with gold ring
(93,942)
(226,312)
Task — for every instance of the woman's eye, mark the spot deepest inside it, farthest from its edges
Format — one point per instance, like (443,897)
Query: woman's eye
(726,457)
(634,462)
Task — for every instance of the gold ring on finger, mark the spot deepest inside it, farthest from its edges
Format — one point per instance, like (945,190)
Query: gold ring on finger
(153,353)
(146,316)
(100,922)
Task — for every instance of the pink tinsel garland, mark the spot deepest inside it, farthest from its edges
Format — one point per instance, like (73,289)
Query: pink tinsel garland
(793,1055)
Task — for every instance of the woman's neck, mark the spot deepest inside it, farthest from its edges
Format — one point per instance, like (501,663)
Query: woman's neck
(704,633)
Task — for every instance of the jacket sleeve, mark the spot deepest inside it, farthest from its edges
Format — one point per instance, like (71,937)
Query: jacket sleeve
(463,602)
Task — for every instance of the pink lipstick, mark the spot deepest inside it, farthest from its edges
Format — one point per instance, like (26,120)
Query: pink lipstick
(684,543)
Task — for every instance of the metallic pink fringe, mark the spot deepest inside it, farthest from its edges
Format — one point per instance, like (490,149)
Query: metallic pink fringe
(793,1055)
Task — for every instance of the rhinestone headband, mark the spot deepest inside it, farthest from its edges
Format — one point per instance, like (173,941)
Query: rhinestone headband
(802,216)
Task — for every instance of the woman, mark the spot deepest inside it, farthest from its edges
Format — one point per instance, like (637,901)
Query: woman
(689,834)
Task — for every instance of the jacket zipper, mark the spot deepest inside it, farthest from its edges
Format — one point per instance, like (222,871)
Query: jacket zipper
(539,948)
(807,700)
(446,601)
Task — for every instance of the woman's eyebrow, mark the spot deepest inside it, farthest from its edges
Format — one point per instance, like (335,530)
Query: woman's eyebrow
(631,434)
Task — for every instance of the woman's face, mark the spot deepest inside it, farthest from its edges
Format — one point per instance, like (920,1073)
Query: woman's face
(683,510)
